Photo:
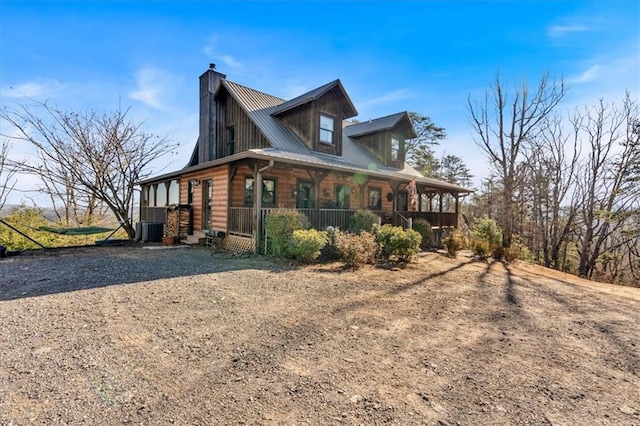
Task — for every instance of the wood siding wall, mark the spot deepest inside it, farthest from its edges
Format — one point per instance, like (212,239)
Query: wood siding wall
(379,144)
(305,121)
(286,187)
(220,181)
(247,134)
(300,120)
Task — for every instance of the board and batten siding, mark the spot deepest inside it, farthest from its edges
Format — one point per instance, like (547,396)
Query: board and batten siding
(247,134)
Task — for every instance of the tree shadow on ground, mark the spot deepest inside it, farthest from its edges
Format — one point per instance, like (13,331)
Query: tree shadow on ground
(70,270)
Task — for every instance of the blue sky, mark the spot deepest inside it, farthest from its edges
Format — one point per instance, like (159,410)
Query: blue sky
(424,56)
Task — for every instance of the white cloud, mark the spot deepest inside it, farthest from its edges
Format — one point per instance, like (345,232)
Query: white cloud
(153,85)
(395,95)
(33,89)
(588,75)
(561,30)
(212,52)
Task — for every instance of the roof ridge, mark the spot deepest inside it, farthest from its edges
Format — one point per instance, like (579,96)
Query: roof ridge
(254,90)
(380,118)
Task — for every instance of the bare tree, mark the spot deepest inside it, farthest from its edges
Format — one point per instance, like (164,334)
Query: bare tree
(552,161)
(87,157)
(7,174)
(505,124)
(609,184)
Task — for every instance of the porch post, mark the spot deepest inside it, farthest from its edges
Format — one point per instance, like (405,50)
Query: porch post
(258,202)
(457,209)
(394,202)
(440,216)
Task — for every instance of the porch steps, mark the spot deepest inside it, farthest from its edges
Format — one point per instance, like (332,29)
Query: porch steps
(197,238)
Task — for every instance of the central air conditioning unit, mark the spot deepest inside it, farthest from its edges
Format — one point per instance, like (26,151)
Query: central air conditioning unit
(149,231)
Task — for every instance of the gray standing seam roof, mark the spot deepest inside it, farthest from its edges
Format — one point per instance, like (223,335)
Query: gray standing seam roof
(375,125)
(286,144)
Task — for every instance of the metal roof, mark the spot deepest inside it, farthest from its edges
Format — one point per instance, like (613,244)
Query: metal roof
(322,161)
(375,125)
(313,95)
(250,99)
(286,145)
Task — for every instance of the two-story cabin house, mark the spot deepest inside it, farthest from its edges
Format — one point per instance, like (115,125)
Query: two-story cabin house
(256,153)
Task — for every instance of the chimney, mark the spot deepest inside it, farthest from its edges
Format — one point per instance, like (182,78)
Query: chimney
(210,118)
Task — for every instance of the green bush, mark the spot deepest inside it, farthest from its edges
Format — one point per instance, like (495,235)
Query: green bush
(280,226)
(356,250)
(487,229)
(362,220)
(396,242)
(330,252)
(306,244)
(423,227)
(482,249)
(26,219)
(454,243)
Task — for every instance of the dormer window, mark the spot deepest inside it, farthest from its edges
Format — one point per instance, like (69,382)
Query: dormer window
(326,129)
(395,149)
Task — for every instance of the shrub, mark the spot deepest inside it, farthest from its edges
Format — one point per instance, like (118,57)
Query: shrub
(395,241)
(509,254)
(487,229)
(330,251)
(356,250)
(497,252)
(454,243)
(280,226)
(362,220)
(482,249)
(306,244)
(424,229)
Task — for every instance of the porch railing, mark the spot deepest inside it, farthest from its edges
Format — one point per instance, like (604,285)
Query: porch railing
(241,219)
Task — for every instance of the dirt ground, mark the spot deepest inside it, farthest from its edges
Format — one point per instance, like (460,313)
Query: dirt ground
(185,336)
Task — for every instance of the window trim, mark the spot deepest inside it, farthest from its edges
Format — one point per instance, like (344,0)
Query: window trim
(321,129)
(398,151)
(347,196)
(231,143)
(377,206)
(264,179)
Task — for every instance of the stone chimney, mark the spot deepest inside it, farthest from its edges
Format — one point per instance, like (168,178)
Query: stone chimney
(210,118)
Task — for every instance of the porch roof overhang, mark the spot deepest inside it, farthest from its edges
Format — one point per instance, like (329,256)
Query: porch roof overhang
(317,161)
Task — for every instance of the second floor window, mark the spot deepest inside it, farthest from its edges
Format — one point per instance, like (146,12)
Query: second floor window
(326,129)
(395,149)
(268,191)
(231,140)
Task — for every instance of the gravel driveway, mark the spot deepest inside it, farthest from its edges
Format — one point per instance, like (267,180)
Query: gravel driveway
(117,335)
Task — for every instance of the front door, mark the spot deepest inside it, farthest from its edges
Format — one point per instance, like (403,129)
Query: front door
(207,198)
(306,195)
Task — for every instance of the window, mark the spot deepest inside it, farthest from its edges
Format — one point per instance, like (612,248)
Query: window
(375,200)
(161,195)
(144,202)
(152,196)
(342,196)
(305,195)
(268,191)
(395,149)
(326,130)
(231,140)
(174,192)
(190,190)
